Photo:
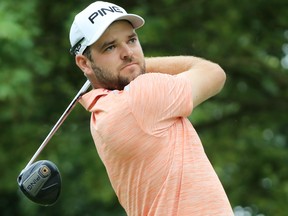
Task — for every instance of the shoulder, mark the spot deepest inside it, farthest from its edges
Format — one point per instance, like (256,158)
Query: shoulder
(154,79)
(89,99)
(154,82)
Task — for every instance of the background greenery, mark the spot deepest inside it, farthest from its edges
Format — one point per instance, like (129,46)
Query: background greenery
(244,129)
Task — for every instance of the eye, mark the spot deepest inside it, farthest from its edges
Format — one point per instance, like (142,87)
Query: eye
(133,40)
(109,48)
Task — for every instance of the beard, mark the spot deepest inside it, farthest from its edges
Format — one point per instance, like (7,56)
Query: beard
(108,80)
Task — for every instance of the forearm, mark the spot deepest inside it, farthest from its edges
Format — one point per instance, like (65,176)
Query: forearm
(173,64)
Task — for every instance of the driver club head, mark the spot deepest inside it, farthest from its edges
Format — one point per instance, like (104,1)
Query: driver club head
(41,182)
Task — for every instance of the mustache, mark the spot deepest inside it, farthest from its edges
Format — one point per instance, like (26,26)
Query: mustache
(127,61)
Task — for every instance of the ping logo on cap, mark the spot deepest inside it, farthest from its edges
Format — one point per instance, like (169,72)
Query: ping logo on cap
(103,12)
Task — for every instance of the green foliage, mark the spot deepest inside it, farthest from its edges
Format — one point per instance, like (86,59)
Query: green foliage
(243,129)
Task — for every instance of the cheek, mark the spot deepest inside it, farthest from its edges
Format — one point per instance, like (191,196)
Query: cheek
(138,52)
(140,55)
(139,48)
(106,61)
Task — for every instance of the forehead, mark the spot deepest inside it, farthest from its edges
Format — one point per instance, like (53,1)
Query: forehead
(116,30)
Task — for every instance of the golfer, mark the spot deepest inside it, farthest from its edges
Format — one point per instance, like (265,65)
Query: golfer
(139,108)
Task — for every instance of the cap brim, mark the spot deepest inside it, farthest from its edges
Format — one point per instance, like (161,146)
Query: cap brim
(134,19)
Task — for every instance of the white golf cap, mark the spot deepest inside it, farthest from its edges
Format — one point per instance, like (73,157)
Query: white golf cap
(90,24)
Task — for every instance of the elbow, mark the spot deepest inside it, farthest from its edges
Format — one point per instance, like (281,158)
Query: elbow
(220,77)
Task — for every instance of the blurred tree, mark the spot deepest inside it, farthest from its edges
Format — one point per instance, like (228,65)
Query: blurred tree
(243,129)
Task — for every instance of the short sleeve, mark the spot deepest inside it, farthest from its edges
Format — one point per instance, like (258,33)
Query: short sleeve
(157,100)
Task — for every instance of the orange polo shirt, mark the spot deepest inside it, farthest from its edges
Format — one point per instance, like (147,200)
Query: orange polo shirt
(153,156)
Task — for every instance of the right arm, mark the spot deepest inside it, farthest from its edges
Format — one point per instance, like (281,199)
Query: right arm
(206,78)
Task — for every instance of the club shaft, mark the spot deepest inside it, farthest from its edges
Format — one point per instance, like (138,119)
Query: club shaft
(60,121)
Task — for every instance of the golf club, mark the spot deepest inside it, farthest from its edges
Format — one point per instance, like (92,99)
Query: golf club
(41,181)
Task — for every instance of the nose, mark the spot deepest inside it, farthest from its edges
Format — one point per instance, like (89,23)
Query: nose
(126,52)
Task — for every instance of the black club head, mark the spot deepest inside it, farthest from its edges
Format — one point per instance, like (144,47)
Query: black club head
(41,182)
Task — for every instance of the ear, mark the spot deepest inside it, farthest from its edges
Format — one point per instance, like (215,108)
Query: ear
(83,63)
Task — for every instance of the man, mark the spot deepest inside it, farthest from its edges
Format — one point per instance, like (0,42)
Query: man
(139,108)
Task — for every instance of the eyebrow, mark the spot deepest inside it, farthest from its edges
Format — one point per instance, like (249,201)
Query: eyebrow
(109,43)
(106,44)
